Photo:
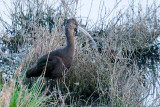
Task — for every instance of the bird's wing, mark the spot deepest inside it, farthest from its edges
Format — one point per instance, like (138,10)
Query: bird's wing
(55,68)
(37,70)
(43,59)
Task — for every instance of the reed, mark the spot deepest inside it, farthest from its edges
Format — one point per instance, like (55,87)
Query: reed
(112,75)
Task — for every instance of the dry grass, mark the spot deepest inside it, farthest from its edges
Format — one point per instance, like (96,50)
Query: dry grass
(111,77)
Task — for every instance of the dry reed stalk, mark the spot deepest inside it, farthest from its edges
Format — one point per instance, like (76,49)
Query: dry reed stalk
(109,73)
(6,93)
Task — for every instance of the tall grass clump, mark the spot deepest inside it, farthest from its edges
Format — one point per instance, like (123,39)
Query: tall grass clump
(115,74)
(127,46)
(15,94)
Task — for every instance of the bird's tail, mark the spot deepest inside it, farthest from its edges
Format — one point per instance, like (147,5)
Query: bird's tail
(33,72)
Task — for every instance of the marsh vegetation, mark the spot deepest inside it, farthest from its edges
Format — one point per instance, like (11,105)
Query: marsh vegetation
(124,71)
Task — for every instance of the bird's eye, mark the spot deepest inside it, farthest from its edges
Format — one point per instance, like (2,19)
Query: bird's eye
(76,24)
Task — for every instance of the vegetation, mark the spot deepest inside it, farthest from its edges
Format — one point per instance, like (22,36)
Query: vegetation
(121,73)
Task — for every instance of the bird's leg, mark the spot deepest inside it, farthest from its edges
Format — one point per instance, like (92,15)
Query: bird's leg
(59,93)
(58,85)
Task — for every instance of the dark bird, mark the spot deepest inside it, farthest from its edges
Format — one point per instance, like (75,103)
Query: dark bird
(58,60)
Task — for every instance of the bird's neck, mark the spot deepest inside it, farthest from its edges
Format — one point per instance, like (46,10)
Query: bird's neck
(70,38)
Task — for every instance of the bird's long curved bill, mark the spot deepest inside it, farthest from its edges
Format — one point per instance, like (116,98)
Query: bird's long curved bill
(87,34)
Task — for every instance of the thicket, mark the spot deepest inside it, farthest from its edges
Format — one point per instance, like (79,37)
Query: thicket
(117,75)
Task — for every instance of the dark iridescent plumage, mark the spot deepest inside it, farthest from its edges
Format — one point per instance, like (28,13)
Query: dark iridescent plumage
(59,59)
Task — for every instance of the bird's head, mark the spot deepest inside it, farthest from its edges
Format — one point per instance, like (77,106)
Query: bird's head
(72,24)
